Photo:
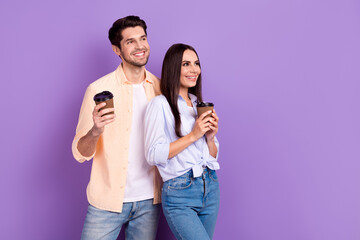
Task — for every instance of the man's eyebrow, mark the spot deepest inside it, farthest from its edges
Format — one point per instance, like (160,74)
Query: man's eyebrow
(129,39)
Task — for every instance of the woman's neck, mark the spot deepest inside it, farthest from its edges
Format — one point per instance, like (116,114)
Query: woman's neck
(184,93)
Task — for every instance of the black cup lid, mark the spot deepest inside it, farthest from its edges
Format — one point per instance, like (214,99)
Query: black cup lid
(103,96)
(204,104)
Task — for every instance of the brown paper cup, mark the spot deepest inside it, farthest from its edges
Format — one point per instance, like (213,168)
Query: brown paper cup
(201,110)
(106,97)
(109,104)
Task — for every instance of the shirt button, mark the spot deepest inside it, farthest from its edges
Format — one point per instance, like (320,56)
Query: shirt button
(124,168)
(129,110)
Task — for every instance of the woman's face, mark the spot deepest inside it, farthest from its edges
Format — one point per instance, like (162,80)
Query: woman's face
(190,69)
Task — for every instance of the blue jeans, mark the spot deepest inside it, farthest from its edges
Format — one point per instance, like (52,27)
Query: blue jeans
(191,205)
(140,219)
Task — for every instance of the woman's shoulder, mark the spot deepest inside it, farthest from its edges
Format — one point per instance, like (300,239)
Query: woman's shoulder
(158,100)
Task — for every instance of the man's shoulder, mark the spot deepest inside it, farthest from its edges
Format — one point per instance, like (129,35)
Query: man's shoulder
(152,76)
(108,79)
(156,82)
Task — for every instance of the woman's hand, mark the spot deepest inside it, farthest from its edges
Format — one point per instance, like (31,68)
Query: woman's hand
(213,127)
(202,125)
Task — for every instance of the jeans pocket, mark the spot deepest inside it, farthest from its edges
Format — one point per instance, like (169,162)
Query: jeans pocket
(213,175)
(181,182)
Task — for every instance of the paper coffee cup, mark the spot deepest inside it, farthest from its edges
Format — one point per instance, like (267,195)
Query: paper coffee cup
(203,107)
(106,97)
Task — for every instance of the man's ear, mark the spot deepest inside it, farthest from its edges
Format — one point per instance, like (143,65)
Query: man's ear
(116,50)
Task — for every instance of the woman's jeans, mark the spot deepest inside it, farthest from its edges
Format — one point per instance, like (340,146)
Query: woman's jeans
(191,205)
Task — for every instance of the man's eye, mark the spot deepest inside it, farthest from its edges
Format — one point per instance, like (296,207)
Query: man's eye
(129,42)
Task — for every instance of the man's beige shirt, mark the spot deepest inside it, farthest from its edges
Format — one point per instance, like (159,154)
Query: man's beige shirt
(110,161)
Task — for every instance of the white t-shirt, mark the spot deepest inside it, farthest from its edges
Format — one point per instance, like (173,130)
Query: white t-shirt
(140,175)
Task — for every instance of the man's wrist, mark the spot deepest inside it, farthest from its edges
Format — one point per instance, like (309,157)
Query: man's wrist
(94,133)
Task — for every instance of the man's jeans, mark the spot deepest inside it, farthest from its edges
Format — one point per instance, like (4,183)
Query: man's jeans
(191,205)
(140,219)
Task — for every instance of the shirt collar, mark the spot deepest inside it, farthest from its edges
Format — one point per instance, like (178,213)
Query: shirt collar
(120,76)
(193,98)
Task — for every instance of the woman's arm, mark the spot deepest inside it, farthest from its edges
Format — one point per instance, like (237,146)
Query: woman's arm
(156,142)
(210,135)
(202,125)
(212,148)
(158,148)
(179,145)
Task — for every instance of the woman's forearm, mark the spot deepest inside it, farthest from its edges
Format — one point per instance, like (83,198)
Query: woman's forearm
(179,145)
(212,147)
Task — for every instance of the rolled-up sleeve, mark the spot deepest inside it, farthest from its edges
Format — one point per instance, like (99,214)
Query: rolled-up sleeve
(212,161)
(157,145)
(217,146)
(85,123)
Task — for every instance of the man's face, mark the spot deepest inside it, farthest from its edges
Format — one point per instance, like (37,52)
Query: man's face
(135,49)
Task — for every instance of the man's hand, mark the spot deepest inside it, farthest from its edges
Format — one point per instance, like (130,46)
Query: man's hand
(100,120)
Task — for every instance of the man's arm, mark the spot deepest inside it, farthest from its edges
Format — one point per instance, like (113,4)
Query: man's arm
(87,144)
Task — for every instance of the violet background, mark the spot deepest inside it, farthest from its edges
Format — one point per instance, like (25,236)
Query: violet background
(283,74)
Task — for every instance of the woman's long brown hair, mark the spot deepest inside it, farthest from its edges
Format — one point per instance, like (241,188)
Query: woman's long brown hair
(170,80)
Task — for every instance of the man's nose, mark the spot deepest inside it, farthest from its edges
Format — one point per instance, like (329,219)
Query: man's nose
(138,45)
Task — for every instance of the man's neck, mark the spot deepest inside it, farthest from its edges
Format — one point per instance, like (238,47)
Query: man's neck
(133,73)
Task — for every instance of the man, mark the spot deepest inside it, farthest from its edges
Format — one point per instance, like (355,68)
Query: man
(123,189)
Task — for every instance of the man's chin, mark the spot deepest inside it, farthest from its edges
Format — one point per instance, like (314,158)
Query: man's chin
(138,63)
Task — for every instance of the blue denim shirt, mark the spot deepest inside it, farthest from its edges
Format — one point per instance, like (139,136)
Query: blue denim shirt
(160,132)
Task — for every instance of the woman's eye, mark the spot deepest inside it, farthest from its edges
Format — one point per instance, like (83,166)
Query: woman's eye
(185,64)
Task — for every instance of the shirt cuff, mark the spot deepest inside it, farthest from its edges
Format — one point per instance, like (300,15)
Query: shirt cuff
(162,154)
(213,163)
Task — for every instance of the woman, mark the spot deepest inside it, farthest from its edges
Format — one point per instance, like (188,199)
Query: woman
(184,147)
